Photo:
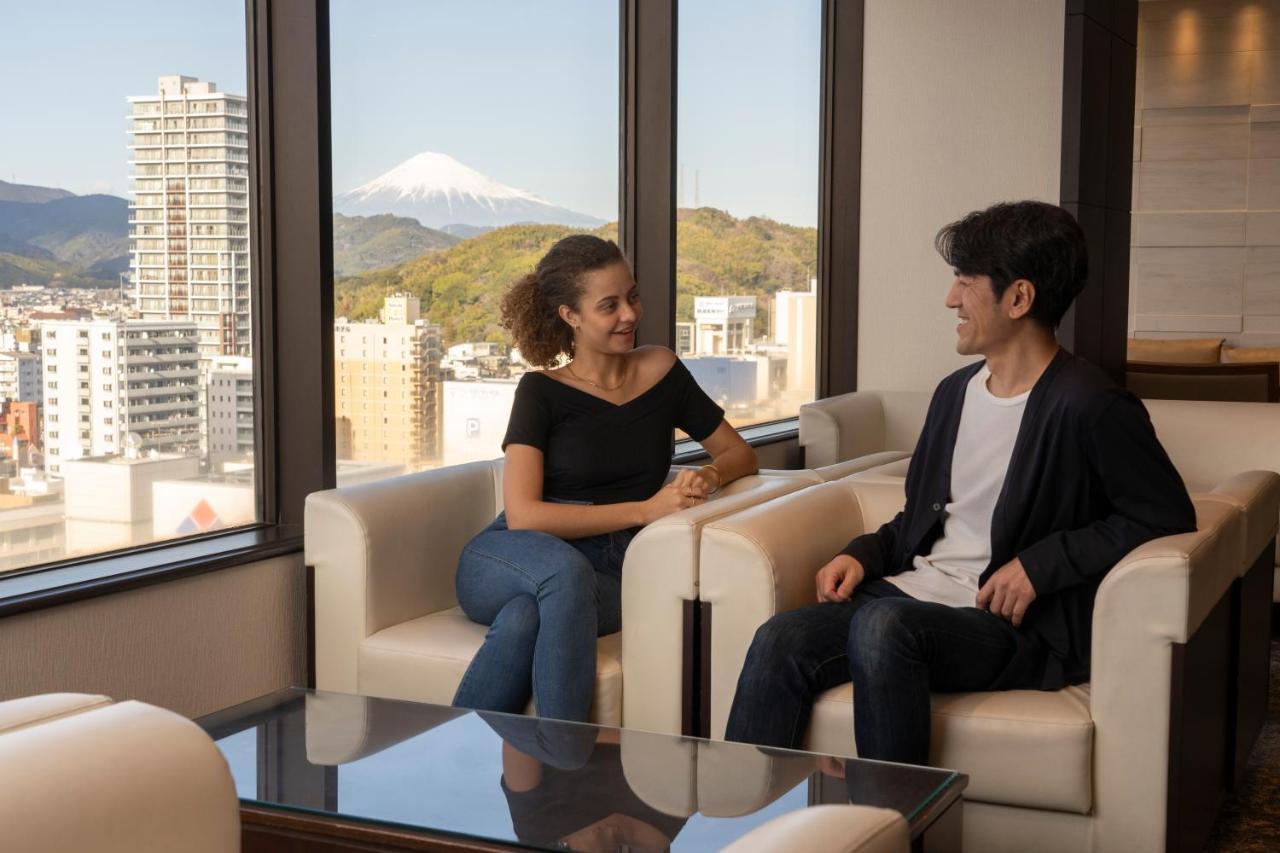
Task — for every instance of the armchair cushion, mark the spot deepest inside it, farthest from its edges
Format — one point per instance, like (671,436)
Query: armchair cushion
(992,737)
(424,659)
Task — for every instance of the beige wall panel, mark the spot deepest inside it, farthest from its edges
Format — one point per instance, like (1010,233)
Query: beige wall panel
(1208,35)
(1262,323)
(1264,112)
(1262,229)
(1238,114)
(1190,281)
(1196,142)
(192,645)
(1192,184)
(1262,280)
(1205,79)
(1264,184)
(1226,324)
(946,129)
(1189,229)
(1264,139)
(1266,77)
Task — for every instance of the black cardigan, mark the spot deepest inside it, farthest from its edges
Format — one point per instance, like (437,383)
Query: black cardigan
(1087,483)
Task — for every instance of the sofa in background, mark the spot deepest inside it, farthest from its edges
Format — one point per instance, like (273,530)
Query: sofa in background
(1202,369)
(78,772)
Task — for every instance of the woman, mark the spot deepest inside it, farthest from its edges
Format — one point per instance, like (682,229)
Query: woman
(588,448)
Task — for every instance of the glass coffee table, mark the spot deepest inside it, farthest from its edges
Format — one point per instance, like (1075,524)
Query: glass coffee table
(353,772)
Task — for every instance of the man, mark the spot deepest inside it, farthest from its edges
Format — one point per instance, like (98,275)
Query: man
(1033,476)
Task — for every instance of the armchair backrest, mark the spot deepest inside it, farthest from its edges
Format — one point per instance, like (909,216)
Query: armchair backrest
(1209,442)
(385,552)
(851,425)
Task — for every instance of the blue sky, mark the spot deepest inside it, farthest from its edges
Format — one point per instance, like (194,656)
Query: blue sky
(525,92)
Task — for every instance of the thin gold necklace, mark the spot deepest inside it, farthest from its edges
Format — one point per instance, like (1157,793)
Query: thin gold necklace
(596,384)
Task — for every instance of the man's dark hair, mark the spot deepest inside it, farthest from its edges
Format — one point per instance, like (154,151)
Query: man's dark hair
(1023,239)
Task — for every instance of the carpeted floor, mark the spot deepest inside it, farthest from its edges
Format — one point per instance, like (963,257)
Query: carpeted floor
(1250,820)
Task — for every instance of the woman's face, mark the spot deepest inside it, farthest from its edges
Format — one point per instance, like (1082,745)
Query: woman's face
(608,313)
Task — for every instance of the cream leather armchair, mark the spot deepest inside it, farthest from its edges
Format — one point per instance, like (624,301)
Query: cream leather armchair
(1208,442)
(80,773)
(386,617)
(1093,760)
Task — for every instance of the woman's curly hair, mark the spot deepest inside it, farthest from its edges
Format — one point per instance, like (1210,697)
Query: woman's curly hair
(531,308)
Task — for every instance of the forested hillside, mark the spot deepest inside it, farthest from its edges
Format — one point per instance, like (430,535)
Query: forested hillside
(461,286)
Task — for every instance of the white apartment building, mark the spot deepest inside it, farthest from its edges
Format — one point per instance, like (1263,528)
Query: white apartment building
(387,402)
(189,215)
(107,379)
(20,377)
(722,325)
(228,395)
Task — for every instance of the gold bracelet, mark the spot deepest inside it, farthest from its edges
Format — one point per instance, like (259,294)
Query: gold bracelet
(719,478)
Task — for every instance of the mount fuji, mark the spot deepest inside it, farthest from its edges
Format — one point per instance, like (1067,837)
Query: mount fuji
(438,191)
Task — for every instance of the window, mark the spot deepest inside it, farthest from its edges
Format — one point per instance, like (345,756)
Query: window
(549,69)
(747,135)
(127,211)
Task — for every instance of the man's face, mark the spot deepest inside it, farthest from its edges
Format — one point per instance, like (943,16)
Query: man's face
(984,321)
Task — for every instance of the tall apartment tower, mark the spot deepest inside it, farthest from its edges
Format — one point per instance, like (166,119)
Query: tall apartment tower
(189,215)
(388,402)
(107,379)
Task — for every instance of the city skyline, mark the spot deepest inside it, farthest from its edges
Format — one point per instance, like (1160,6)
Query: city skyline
(465,71)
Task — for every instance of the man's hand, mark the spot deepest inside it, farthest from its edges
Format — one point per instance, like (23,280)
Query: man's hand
(1008,592)
(837,579)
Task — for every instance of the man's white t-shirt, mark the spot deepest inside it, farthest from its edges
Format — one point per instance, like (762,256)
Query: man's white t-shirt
(984,444)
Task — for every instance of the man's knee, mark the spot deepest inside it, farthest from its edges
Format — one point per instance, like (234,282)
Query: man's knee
(879,630)
(777,642)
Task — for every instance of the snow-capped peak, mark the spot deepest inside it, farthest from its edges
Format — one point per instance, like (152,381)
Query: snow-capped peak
(431,172)
(437,190)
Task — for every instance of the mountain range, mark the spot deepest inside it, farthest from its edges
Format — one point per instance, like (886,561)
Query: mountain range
(49,235)
(442,193)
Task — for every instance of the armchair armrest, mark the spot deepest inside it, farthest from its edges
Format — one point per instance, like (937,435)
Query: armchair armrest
(385,552)
(1155,597)
(829,829)
(124,777)
(660,576)
(1256,497)
(761,561)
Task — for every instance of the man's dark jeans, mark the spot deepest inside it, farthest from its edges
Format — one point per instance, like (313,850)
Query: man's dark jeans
(894,648)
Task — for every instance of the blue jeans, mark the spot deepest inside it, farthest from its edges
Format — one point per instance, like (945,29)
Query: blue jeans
(545,600)
(894,648)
